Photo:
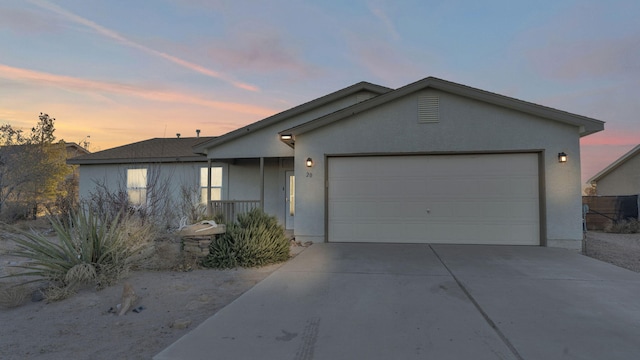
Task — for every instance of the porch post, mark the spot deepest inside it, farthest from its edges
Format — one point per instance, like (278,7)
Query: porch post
(209,207)
(262,183)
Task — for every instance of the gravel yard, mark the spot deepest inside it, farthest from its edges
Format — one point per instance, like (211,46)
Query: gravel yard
(619,249)
(173,303)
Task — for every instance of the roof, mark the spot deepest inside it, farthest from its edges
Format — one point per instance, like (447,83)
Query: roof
(614,165)
(586,125)
(75,148)
(361,86)
(152,150)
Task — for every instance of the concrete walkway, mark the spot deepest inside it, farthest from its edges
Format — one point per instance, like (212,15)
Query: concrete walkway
(390,301)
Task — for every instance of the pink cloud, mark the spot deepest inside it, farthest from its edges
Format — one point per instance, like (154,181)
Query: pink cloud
(385,19)
(119,124)
(613,137)
(123,40)
(99,87)
(261,50)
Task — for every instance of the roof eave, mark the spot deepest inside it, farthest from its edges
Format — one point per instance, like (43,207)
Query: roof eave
(361,86)
(182,159)
(586,125)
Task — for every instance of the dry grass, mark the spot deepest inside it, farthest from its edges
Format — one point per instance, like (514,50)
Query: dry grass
(619,249)
(12,295)
(628,226)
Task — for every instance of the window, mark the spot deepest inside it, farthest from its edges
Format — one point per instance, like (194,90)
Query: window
(137,186)
(216,183)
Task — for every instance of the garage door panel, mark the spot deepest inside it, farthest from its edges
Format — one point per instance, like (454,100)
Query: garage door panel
(473,199)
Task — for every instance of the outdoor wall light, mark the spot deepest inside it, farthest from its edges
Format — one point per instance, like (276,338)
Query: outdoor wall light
(286,137)
(562,157)
(309,162)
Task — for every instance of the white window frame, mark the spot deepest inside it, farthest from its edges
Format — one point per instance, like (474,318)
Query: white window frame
(137,183)
(216,183)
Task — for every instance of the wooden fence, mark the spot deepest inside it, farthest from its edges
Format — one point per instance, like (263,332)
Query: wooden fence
(603,211)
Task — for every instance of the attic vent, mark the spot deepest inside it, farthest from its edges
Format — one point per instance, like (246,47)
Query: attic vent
(428,109)
(363,97)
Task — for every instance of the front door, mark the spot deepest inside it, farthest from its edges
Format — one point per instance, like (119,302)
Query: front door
(290,190)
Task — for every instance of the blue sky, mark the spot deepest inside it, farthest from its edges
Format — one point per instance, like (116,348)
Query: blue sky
(123,71)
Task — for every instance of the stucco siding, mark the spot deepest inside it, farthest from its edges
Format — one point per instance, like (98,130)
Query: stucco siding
(623,180)
(244,183)
(265,142)
(170,179)
(240,180)
(465,126)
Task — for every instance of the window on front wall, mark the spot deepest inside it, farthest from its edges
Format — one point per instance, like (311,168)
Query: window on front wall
(216,183)
(137,186)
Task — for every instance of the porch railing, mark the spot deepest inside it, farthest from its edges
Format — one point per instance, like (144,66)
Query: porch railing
(229,209)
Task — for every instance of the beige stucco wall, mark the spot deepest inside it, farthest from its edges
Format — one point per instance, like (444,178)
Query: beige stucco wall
(113,176)
(240,180)
(465,126)
(243,183)
(624,180)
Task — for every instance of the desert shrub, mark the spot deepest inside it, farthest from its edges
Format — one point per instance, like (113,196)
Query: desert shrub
(13,296)
(627,226)
(159,208)
(256,239)
(89,249)
(15,211)
(190,205)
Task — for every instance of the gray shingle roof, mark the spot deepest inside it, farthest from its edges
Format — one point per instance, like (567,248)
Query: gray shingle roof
(152,150)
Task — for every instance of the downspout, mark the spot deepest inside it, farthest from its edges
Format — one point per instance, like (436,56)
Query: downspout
(209,205)
(262,183)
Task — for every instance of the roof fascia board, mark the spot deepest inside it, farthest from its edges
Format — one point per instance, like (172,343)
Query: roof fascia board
(337,95)
(585,124)
(137,161)
(588,124)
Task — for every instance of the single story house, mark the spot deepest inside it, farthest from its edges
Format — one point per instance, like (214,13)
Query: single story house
(433,161)
(621,177)
(154,171)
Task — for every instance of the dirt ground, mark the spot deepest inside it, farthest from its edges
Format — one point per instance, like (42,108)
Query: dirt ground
(619,249)
(172,303)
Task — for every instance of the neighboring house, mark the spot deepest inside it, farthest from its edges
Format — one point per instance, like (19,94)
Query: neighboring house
(74,150)
(432,162)
(164,166)
(622,177)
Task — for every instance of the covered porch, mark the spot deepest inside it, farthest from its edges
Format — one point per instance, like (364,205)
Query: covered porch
(267,183)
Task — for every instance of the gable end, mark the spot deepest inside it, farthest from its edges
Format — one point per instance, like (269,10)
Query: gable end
(428,109)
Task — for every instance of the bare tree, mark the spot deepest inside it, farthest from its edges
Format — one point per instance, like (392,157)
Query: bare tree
(31,167)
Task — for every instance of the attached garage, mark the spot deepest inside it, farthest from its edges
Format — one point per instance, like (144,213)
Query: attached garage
(439,162)
(453,199)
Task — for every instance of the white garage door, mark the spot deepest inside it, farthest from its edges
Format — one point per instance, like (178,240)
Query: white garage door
(455,199)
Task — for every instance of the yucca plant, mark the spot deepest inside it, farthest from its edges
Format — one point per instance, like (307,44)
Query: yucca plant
(89,249)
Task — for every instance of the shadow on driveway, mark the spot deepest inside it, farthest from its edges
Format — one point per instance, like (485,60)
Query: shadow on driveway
(420,301)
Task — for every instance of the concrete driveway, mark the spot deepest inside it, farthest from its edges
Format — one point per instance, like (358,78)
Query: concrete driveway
(394,301)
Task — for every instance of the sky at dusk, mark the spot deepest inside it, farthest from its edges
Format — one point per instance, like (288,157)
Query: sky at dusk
(122,71)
